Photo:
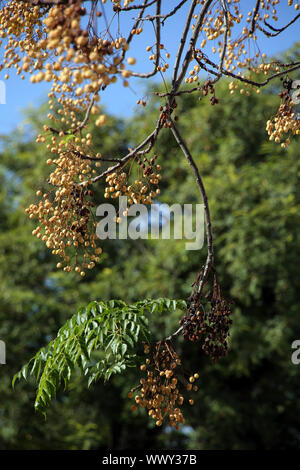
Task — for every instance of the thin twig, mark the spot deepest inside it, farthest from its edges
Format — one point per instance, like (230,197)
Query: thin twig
(280,30)
(192,43)
(138,150)
(183,40)
(136,24)
(157,55)
(210,251)
(254,17)
(164,17)
(135,7)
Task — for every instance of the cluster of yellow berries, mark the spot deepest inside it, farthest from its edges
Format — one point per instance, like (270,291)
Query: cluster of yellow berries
(21,27)
(284,124)
(238,54)
(65,216)
(141,191)
(154,55)
(54,43)
(117,3)
(159,392)
(51,45)
(213,30)
(243,89)
(213,25)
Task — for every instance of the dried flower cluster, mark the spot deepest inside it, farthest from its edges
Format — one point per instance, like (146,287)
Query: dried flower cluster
(210,329)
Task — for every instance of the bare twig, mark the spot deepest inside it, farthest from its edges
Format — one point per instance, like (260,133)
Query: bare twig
(151,139)
(135,7)
(254,17)
(183,40)
(157,55)
(210,251)
(87,114)
(46,2)
(96,159)
(136,24)
(177,81)
(164,17)
(225,12)
(291,67)
(279,30)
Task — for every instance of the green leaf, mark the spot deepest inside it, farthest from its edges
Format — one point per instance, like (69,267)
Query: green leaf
(112,328)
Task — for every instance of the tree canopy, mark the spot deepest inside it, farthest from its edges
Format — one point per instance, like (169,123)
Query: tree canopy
(146,310)
(248,399)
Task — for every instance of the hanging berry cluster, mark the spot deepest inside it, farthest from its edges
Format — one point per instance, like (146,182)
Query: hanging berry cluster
(209,328)
(208,87)
(143,189)
(165,113)
(73,47)
(285,123)
(159,392)
(50,44)
(65,215)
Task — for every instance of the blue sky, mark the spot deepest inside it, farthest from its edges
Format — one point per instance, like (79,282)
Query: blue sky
(117,99)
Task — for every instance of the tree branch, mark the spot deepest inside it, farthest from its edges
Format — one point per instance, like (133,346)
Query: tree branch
(210,251)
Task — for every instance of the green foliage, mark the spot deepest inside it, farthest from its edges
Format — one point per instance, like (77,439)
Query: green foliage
(112,328)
